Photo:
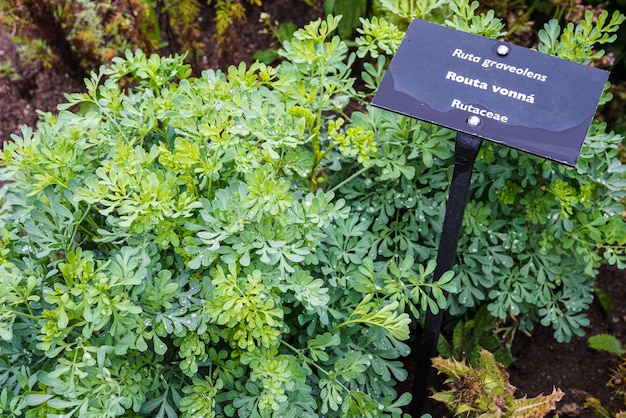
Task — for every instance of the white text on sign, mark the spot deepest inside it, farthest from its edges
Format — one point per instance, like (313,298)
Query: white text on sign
(488,63)
(476,82)
(457,104)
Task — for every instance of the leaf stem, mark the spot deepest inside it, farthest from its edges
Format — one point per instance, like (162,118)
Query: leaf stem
(24,314)
(315,139)
(313,363)
(350,178)
(523,18)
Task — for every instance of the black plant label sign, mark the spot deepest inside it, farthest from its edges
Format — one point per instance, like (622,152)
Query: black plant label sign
(494,90)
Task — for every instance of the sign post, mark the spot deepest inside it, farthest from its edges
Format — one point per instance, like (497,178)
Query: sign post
(465,153)
(484,89)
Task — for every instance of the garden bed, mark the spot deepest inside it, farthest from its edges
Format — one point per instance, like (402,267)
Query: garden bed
(541,363)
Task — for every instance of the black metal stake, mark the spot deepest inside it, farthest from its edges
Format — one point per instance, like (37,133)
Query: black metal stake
(466,150)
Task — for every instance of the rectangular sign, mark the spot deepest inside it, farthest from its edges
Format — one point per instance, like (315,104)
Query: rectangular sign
(494,90)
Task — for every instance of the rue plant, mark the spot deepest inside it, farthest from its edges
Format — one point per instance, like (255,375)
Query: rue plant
(169,249)
(243,244)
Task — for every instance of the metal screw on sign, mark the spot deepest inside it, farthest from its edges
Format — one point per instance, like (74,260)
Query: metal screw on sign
(473,121)
(502,50)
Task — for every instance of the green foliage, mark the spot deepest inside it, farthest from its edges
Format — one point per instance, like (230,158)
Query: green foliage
(7,70)
(182,18)
(34,50)
(459,14)
(576,42)
(281,32)
(174,248)
(226,13)
(465,19)
(604,299)
(378,35)
(595,405)
(351,12)
(241,244)
(411,9)
(472,335)
(607,343)
(484,391)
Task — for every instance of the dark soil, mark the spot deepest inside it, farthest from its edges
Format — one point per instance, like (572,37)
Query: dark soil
(37,89)
(541,363)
